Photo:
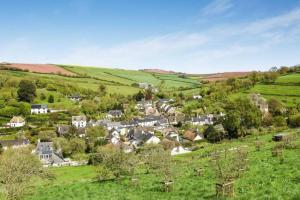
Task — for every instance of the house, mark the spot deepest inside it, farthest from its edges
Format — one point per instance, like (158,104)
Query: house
(202,120)
(197,97)
(164,106)
(113,137)
(138,137)
(79,121)
(142,105)
(114,114)
(16,121)
(179,150)
(192,136)
(14,143)
(172,135)
(39,109)
(145,85)
(48,156)
(75,97)
(151,121)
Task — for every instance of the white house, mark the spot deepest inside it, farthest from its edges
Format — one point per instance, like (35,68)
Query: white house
(16,121)
(153,140)
(39,109)
(198,97)
(179,150)
(79,121)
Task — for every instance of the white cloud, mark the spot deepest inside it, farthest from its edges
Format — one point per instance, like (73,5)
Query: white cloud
(217,7)
(247,46)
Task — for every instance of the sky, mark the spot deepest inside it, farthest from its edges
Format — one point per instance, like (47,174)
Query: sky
(193,36)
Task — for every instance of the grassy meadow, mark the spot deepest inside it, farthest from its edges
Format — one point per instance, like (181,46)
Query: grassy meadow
(286,89)
(265,177)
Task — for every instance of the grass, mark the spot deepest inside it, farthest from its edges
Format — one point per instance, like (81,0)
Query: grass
(285,89)
(266,178)
(290,78)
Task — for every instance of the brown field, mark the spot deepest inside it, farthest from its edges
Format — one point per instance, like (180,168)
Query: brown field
(224,76)
(41,68)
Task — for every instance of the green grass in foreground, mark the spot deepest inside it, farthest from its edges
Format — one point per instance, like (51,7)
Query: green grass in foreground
(265,178)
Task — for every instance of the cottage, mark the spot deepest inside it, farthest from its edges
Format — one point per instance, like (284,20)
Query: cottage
(113,137)
(114,114)
(197,97)
(75,97)
(16,121)
(47,155)
(151,121)
(179,150)
(138,137)
(202,120)
(192,136)
(145,85)
(79,121)
(39,109)
(14,143)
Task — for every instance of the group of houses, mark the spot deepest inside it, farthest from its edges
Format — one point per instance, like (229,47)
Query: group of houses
(131,134)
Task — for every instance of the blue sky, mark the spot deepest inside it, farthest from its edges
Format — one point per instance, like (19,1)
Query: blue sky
(195,36)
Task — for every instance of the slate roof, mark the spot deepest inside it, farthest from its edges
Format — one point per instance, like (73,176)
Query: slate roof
(39,106)
(79,118)
(115,112)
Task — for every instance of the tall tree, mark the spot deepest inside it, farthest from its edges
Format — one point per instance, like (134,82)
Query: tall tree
(18,167)
(26,91)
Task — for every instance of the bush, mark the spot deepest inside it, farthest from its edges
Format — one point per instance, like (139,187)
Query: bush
(51,99)
(294,120)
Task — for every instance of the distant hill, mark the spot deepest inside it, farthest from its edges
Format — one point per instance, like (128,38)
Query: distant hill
(39,68)
(223,76)
(158,71)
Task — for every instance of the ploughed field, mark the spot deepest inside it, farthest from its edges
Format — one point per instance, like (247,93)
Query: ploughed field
(265,177)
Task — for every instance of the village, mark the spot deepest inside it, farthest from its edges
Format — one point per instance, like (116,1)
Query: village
(159,125)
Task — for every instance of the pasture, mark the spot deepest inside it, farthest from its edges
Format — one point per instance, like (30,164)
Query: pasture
(265,178)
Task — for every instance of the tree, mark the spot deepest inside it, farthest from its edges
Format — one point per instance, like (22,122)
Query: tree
(51,99)
(139,96)
(77,145)
(18,167)
(95,136)
(241,114)
(275,107)
(214,134)
(102,90)
(26,91)
(43,96)
(294,120)
(148,93)
(116,162)
(279,121)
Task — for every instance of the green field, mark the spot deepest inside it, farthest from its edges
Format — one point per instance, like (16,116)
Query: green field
(128,77)
(290,78)
(265,178)
(286,89)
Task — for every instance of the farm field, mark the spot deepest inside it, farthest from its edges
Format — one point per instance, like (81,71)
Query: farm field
(286,89)
(290,79)
(41,68)
(265,177)
(128,77)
